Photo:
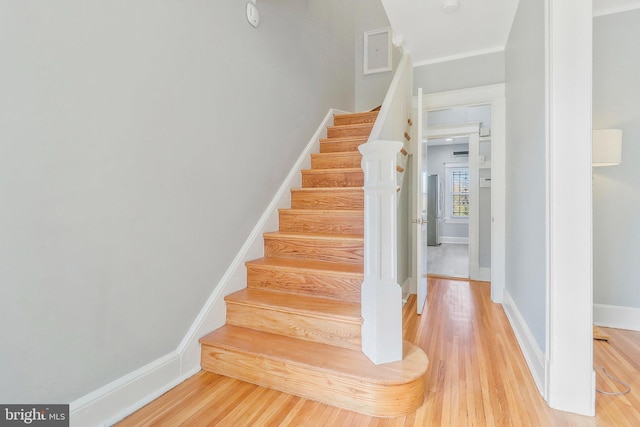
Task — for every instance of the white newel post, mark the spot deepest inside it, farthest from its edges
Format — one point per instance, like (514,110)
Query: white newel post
(381,294)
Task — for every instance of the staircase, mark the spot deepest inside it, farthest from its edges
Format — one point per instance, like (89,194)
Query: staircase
(296,327)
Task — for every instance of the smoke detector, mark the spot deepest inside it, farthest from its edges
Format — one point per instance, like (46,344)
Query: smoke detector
(450,6)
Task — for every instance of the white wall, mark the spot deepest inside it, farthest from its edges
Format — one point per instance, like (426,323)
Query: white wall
(616,91)
(140,142)
(479,70)
(525,167)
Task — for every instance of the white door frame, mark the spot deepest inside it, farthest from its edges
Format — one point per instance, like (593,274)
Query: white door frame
(492,95)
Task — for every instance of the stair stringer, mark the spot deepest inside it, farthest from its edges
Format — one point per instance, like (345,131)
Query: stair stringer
(112,402)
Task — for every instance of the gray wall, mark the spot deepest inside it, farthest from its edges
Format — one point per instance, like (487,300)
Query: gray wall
(462,73)
(140,142)
(525,166)
(370,89)
(616,205)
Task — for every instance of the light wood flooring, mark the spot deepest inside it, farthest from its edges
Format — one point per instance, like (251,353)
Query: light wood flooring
(477,377)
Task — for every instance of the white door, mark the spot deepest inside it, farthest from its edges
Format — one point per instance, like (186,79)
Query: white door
(420,210)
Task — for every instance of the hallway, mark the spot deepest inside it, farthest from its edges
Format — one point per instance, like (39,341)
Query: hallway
(477,376)
(448,260)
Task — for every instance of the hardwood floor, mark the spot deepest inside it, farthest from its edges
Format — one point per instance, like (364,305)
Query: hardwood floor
(477,377)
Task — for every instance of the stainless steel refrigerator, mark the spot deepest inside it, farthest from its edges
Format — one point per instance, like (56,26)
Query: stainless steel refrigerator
(434,209)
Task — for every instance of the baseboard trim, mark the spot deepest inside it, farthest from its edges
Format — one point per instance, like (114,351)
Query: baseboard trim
(454,240)
(615,316)
(533,355)
(142,385)
(113,402)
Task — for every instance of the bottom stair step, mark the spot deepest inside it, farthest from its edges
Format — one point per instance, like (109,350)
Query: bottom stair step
(320,372)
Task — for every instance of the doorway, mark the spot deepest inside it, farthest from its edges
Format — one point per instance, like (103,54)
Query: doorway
(457,168)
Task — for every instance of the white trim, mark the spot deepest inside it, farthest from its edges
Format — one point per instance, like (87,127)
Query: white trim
(474,206)
(452,131)
(532,352)
(498,164)
(462,97)
(459,56)
(569,335)
(615,316)
(112,402)
(454,240)
(616,9)
(114,399)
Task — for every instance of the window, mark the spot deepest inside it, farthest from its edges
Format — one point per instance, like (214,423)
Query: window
(457,193)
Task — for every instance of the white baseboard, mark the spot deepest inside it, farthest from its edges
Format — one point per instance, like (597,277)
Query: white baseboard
(455,240)
(528,345)
(615,316)
(116,400)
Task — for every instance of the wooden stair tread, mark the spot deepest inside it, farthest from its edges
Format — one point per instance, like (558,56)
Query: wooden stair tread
(338,154)
(315,236)
(335,170)
(362,139)
(327,358)
(329,189)
(300,304)
(353,126)
(311,211)
(309,265)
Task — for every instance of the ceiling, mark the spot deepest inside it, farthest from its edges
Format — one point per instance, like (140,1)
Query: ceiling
(432,35)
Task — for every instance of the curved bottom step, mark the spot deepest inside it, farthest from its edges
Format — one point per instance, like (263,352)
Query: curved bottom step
(327,374)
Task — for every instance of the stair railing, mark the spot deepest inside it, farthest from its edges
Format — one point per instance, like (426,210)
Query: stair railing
(384,158)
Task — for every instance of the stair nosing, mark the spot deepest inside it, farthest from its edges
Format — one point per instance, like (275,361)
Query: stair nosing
(352,153)
(351,126)
(344,139)
(316,266)
(327,189)
(310,211)
(319,236)
(333,170)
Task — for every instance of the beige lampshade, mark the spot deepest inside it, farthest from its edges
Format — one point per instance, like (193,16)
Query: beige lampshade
(607,147)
